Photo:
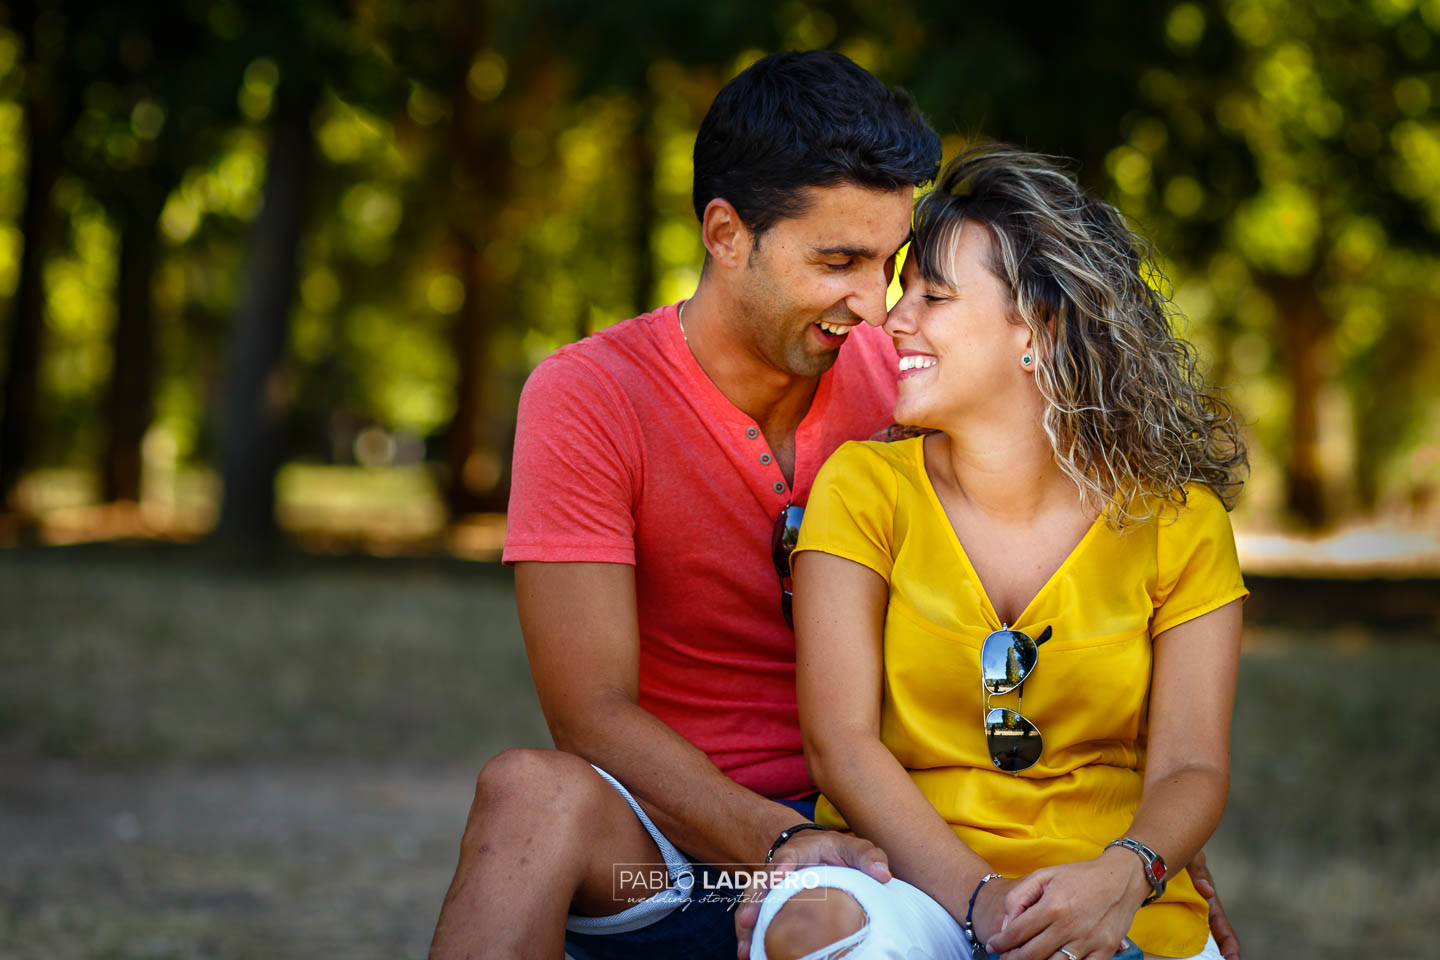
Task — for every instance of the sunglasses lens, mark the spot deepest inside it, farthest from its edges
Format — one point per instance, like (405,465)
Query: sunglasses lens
(783,538)
(1006,659)
(1014,741)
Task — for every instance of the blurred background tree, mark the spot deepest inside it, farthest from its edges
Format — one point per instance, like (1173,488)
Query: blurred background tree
(286,265)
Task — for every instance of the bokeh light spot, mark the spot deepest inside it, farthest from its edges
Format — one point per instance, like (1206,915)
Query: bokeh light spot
(1184,27)
(147,119)
(1412,95)
(486,78)
(1184,196)
(445,293)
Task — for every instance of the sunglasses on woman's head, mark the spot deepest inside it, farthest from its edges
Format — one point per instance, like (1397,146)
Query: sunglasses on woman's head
(783,538)
(1007,657)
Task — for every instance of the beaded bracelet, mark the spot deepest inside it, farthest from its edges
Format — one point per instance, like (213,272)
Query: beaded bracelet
(977,951)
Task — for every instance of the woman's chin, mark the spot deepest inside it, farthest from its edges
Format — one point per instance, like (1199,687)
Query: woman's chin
(908,416)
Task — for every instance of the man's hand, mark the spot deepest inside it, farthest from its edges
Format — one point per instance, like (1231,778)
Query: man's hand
(1224,934)
(806,849)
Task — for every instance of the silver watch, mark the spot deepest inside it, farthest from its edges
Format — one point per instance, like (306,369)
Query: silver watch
(1155,870)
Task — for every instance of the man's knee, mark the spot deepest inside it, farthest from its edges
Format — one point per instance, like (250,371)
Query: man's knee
(536,784)
(804,925)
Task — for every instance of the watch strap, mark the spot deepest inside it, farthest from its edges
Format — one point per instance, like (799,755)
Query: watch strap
(1157,874)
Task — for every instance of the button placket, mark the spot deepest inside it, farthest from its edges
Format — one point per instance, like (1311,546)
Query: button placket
(766,459)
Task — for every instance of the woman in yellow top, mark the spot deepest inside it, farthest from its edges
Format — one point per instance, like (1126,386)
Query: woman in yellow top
(1018,634)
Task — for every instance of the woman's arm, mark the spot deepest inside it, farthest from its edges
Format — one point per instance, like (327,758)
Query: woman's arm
(1087,907)
(839,623)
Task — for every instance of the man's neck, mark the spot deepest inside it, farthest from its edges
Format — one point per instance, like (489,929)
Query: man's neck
(776,400)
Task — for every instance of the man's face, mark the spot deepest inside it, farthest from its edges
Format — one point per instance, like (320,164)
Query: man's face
(814,277)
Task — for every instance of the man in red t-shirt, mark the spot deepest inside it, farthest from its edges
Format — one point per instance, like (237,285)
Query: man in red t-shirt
(652,463)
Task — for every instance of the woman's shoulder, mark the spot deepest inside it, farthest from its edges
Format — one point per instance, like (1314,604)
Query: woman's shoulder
(872,458)
(1196,506)
(1198,525)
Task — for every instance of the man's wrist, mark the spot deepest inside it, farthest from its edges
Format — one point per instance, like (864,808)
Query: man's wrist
(785,836)
(774,823)
(987,890)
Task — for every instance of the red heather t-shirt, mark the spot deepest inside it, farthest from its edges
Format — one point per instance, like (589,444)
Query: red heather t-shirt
(625,452)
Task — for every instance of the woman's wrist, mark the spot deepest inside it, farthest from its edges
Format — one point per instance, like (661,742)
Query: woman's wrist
(1131,872)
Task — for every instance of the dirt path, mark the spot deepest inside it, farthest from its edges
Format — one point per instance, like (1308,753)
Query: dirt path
(221,863)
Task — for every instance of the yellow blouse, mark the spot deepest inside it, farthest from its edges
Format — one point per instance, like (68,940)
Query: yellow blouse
(873,503)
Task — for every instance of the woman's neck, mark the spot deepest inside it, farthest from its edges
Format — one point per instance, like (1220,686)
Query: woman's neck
(1004,468)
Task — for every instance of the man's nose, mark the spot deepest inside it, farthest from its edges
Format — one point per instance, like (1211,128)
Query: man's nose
(868,300)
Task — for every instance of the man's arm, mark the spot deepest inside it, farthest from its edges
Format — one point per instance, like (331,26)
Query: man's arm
(582,637)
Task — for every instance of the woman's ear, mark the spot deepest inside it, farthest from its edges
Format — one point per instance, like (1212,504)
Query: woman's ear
(1030,346)
(1027,349)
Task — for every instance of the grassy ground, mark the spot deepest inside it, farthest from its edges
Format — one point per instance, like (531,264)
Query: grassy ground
(202,764)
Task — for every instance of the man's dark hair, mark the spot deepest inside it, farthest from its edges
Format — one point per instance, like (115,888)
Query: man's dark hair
(814,119)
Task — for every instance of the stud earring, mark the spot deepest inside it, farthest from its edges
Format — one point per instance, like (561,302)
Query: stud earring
(1026,359)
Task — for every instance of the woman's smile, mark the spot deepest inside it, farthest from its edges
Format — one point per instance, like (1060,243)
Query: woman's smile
(913,363)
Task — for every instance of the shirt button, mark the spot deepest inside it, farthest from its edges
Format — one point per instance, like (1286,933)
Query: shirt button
(764,458)
(779,487)
(752,433)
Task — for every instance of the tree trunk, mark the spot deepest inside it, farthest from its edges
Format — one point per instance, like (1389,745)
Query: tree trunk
(1305,327)
(470,486)
(132,375)
(480,160)
(255,403)
(642,164)
(27,316)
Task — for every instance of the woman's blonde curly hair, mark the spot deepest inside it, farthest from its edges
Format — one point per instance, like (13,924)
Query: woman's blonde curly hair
(1129,417)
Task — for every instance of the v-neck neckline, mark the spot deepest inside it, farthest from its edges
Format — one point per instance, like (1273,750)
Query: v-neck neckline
(939,507)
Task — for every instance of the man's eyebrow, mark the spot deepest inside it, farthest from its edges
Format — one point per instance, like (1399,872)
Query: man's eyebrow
(861,252)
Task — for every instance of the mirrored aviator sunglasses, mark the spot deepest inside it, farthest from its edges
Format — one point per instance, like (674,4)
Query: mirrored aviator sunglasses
(783,537)
(1007,657)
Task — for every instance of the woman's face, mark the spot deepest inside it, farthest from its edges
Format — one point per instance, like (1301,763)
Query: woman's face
(960,348)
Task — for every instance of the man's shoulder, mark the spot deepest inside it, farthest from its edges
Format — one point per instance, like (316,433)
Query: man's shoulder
(601,363)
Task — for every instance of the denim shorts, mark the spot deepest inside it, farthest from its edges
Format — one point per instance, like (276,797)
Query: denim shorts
(690,919)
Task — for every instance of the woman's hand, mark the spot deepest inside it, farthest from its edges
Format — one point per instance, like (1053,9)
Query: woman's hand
(1084,908)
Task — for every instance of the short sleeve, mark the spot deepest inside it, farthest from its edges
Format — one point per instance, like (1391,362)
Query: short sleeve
(1197,569)
(851,512)
(577,468)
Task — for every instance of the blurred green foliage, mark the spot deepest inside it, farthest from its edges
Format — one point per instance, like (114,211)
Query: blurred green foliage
(495,180)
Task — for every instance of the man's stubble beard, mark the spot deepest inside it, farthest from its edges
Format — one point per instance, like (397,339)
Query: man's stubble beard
(774,332)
